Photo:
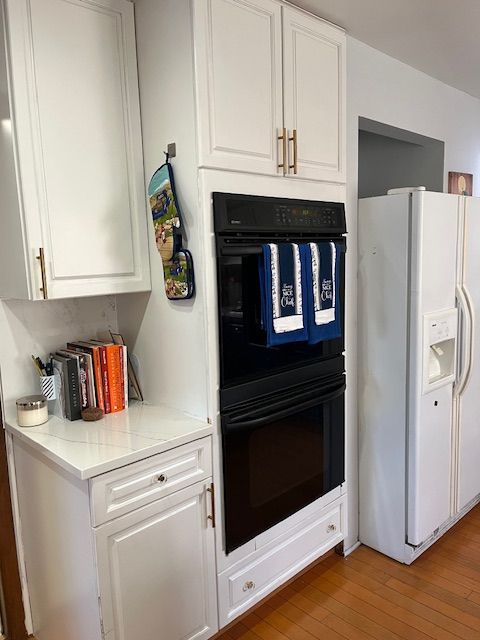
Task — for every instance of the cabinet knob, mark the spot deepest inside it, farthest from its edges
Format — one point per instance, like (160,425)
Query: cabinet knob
(249,585)
(162,478)
(331,527)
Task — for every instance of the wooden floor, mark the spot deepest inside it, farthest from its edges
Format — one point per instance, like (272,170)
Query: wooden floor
(369,596)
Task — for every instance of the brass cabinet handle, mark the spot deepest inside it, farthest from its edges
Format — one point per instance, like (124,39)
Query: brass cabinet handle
(211,491)
(284,139)
(294,139)
(41,259)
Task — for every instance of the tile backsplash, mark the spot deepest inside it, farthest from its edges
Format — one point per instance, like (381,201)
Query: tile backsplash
(39,327)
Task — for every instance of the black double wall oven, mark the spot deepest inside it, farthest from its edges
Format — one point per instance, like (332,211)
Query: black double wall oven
(282,407)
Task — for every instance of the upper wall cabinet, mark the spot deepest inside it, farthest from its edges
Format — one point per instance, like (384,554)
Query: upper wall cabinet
(239,80)
(79,225)
(270,90)
(314,90)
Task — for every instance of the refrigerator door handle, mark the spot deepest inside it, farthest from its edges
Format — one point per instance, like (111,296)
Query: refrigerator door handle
(467,341)
(471,341)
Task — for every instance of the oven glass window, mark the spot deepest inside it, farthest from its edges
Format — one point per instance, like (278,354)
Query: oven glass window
(243,354)
(284,455)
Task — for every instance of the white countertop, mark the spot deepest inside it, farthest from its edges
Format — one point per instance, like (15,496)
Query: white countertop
(87,449)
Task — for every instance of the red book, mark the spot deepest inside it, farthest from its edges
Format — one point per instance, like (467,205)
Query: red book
(104,368)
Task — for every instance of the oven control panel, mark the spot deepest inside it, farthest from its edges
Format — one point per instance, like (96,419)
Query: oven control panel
(247,214)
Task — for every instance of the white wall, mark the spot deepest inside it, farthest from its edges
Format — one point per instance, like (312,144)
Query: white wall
(386,161)
(384,89)
(40,327)
(165,69)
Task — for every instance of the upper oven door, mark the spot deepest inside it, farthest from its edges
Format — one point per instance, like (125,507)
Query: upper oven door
(281,453)
(243,354)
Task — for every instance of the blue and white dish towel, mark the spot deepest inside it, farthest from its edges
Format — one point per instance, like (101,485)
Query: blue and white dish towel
(322,275)
(299,287)
(282,290)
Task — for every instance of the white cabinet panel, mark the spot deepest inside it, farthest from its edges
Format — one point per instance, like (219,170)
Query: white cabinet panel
(239,76)
(314,95)
(74,91)
(157,570)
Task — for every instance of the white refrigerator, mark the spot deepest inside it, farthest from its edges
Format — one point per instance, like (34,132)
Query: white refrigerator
(419,379)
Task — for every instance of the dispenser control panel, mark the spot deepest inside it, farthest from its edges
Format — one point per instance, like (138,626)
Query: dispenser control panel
(439,349)
(441,329)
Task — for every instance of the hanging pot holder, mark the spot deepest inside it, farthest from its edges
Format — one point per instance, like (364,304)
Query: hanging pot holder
(177,262)
(179,276)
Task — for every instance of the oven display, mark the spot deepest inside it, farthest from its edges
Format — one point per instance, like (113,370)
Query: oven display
(305,217)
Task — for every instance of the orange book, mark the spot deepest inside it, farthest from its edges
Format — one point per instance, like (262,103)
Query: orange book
(115,376)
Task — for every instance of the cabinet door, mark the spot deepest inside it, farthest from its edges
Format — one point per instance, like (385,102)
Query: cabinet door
(74,90)
(468,410)
(239,84)
(314,95)
(156,569)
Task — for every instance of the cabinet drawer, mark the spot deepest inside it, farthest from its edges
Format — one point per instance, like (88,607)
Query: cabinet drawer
(240,588)
(123,490)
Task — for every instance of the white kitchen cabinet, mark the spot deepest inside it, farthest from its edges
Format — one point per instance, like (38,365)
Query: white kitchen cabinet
(157,570)
(248,581)
(79,227)
(270,90)
(239,83)
(145,570)
(314,88)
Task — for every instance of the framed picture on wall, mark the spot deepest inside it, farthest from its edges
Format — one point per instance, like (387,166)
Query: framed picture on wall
(460,183)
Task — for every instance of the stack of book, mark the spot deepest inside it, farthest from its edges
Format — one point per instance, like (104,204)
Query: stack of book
(90,373)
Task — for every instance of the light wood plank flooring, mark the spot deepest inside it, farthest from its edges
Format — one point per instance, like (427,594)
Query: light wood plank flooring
(367,596)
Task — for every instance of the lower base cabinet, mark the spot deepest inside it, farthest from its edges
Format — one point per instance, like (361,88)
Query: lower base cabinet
(156,570)
(146,574)
(247,582)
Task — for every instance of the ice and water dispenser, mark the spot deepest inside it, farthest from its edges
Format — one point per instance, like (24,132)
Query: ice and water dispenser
(439,349)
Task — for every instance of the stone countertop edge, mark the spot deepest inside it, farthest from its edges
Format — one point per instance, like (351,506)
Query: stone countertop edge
(119,439)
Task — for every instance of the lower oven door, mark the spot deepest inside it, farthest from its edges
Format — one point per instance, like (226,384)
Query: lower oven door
(281,455)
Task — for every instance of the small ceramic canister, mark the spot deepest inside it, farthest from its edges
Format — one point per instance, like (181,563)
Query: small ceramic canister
(32,411)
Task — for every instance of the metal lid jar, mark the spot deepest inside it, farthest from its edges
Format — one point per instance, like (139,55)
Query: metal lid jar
(32,411)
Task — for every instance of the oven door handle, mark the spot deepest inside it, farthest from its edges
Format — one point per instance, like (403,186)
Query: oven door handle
(239,249)
(291,409)
(251,411)
(245,250)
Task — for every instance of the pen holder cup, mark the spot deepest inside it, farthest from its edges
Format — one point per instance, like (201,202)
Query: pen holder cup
(48,387)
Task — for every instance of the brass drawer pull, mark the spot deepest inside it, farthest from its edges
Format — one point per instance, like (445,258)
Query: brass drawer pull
(211,491)
(284,138)
(41,259)
(294,139)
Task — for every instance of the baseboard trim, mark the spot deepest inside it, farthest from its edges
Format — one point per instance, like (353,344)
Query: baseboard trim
(352,548)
